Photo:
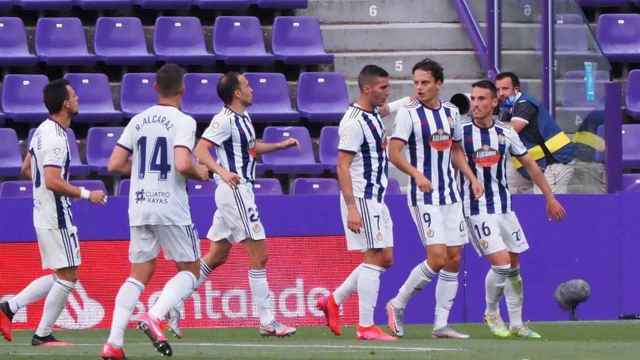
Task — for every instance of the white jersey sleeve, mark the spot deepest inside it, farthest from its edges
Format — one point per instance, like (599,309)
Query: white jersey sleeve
(404,125)
(127,140)
(351,136)
(54,149)
(456,125)
(185,135)
(516,147)
(219,130)
(400,103)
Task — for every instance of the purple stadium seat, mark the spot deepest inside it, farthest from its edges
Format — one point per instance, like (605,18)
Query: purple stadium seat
(13,43)
(201,188)
(238,40)
(310,186)
(16,189)
(633,94)
(22,97)
(121,41)
(267,186)
(6,4)
(200,96)
(281,4)
(271,99)
(163,4)
(393,187)
(298,40)
(44,4)
(137,92)
(222,4)
(328,152)
(76,168)
(322,96)
(294,160)
(574,91)
(180,39)
(96,101)
(630,183)
(123,187)
(100,144)
(61,41)
(91,185)
(2,118)
(10,158)
(619,36)
(571,33)
(103,4)
(631,146)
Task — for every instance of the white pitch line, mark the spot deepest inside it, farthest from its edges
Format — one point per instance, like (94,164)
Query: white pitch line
(285,346)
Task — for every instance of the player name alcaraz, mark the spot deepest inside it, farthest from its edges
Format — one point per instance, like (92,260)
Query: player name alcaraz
(156,119)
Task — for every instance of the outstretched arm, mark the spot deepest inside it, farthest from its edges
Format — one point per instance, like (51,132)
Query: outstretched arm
(263,148)
(554,208)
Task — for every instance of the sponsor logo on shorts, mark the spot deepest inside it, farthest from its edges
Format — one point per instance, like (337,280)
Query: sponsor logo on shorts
(430,232)
(484,244)
(256,227)
(379,236)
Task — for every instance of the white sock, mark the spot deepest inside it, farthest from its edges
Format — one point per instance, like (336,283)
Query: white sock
(494,286)
(368,286)
(347,288)
(35,291)
(514,294)
(420,276)
(446,290)
(205,270)
(126,301)
(260,294)
(175,290)
(53,305)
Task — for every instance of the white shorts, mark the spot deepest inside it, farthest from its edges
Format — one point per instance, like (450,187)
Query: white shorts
(440,224)
(377,230)
(236,218)
(59,248)
(491,233)
(178,242)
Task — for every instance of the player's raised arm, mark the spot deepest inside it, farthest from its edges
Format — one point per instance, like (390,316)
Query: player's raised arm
(203,154)
(263,148)
(554,208)
(25,169)
(54,182)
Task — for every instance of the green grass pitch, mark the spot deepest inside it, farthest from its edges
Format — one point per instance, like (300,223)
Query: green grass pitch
(608,340)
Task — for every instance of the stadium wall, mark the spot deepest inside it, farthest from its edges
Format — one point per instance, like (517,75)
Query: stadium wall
(307,258)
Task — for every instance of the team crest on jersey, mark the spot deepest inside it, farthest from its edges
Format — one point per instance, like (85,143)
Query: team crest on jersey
(430,232)
(440,140)
(486,156)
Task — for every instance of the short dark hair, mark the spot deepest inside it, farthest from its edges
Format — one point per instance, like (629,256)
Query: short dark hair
(429,65)
(515,80)
(370,72)
(169,79)
(55,94)
(228,84)
(486,84)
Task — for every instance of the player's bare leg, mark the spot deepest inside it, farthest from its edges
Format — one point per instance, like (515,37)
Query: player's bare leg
(258,257)
(36,290)
(514,293)
(446,290)
(494,289)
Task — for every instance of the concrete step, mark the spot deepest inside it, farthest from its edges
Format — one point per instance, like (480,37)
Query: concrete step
(399,11)
(419,36)
(461,64)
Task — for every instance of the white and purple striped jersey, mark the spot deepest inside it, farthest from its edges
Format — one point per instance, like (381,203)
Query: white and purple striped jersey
(158,192)
(488,151)
(235,141)
(362,134)
(429,135)
(50,147)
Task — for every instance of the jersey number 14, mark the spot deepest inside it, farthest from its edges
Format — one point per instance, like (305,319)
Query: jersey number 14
(159,158)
